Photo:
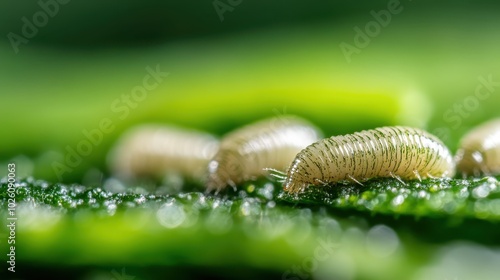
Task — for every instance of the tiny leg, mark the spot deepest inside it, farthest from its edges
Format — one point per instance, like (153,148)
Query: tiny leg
(321,182)
(232,184)
(430,176)
(417,175)
(354,180)
(397,178)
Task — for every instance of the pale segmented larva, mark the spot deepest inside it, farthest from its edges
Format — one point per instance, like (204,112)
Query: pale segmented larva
(156,150)
(245,153)
(479,150)
(399,152)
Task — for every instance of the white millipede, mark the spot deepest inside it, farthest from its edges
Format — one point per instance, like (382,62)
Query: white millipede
(247,152)
(159,150)
(479,150)
(399,152)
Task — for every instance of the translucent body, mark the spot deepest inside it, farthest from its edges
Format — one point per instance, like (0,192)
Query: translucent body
(400,152)
(245,153)
(479,150)
(155,151)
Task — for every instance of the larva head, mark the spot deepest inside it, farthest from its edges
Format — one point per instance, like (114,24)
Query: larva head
(300,174)
(478,150)
(225,169)
(470,162)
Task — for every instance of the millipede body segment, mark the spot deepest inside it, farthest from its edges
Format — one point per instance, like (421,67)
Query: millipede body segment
(245,153)
(158,150)
(398,152)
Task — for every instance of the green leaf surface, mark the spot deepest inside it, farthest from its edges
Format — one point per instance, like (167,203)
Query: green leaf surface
(464,198)
(258,229)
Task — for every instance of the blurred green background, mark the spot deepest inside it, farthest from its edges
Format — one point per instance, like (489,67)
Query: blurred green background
(66,69)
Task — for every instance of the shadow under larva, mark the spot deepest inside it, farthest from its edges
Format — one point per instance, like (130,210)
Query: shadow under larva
(245,153)
(399,152)
(155,151)
(479,150)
